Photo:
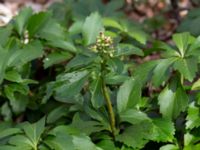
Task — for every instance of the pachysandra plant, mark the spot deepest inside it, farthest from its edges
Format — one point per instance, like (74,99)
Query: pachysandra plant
(80,88)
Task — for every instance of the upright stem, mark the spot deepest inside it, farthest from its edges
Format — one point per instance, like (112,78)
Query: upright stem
(108,100)
(182,79)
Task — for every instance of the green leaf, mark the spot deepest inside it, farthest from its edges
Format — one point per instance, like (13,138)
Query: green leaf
(9,132)
(133,116)
(83,142)
(116,65)
(134,31)
(80,61)
(76,27)
(187,67)
(112,7)
(173,100)
(169,147)
(144,71)
(55,58)
(97,98)
(164,130)
(75,141)
(62,44)
(16,94)
(57,113)
(22,18)
(193,120)
(191,142)
(6,112)
(109,22)
(192,147)
(6,147)
(106,144)
(34,131)
(86,127)
(99,116)
(22,56)
(5,33)
(37,22)
(160,71)
(181,40)
(196,85)
(128,95)
(127,49)
(13,76)
(72,84)
(3,62)
(139,35)
(91,28)
(113,78)
(21,141)
(52,30)
(60,141)
(136,136)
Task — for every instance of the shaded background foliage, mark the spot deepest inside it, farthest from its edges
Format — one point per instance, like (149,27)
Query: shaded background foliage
(51,92)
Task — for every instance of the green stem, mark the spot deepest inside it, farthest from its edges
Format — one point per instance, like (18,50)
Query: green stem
(182,79)
(108,100)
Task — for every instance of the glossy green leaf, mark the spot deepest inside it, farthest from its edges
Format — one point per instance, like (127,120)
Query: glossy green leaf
(173,100)
(86,127)
(196,85)
(193,120)
(6,112)
(21,141)
(16,94)
(128,95)
(55,58)
(3,62)
(62,44)
(109,22)
(106,144)
(83,142)
(164,130)
(52,30)
(113,78)
(13,75)
(128,49)
(72,85)
(5,33)
(136,136)
(97,98)
(91,28)
(6,147)
(191,142)
(144,71)
(34,131)
(57,113)
(133,116)
(22,18)
(60,142)
(133,30)
(169,147)
(76,27)
(187,67)
(161,70)
(37,22)
(9,132)
(181,40)
(22,56)
(80,61)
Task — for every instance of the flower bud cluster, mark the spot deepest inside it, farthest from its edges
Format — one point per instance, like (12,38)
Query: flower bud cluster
(104,45)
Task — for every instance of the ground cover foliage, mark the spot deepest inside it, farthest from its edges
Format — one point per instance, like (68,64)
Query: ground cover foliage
(74,82)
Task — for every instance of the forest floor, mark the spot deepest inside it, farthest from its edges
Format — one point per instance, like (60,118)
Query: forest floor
(165,14)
